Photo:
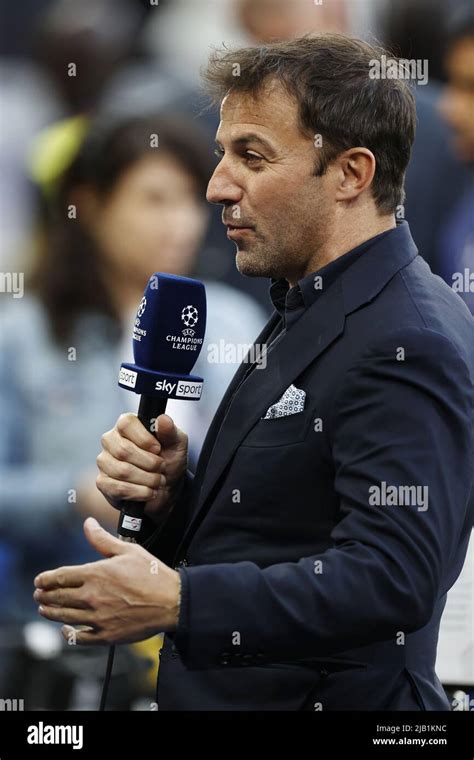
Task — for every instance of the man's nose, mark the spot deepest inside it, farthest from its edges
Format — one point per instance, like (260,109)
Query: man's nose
(222,188)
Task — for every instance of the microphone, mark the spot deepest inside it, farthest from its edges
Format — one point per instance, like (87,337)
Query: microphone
(168,335)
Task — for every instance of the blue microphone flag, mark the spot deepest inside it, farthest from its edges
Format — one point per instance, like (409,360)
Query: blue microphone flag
(168,335)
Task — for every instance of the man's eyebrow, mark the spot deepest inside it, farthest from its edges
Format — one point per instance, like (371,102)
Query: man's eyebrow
(250,137)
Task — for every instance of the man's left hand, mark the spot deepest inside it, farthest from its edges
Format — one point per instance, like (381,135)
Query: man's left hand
(127,597)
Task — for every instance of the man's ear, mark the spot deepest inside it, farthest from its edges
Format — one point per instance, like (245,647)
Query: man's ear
(355,172)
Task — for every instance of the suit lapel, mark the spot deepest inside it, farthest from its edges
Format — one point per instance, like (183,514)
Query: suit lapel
(218,418)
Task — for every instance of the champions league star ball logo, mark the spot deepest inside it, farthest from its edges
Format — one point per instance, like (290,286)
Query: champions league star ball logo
(137,332)
(186,341)
(141,307)
(189,315)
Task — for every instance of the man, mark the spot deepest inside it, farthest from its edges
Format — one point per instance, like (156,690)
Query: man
(327,518)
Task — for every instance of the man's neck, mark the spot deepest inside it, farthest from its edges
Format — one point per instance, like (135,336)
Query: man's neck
(343,239)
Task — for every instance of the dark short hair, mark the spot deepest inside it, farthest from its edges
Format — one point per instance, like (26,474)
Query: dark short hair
(328,75)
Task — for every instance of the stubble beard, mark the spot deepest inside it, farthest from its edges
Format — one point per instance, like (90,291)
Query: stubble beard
(258,259)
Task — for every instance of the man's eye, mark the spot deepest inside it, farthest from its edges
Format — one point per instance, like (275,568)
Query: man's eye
(251,157)
(247,155)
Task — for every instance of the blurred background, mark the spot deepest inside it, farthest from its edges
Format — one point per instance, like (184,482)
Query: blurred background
(89,209)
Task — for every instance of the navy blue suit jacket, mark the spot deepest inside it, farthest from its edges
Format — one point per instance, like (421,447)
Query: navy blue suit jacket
(298,591)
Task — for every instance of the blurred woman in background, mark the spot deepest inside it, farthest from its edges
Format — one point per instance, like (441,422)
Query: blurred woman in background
(120,200)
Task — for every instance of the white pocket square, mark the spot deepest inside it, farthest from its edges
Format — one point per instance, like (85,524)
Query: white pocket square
(292,402)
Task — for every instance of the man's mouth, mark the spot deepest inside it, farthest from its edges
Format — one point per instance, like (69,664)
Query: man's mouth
(233,230)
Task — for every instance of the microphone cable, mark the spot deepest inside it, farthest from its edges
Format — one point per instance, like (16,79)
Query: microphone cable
(108,673)
(111,654)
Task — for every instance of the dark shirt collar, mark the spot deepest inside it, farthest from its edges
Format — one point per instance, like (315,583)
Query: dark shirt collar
(290,303)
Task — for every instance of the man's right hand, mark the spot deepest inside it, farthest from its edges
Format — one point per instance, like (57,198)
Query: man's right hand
(135,465)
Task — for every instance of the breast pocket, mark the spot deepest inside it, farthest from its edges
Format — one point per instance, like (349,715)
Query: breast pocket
(280,431)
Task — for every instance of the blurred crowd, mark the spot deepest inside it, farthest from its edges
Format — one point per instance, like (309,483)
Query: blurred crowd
(90,208)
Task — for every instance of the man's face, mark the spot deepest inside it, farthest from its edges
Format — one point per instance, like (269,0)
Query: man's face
(276,210)
(457,105)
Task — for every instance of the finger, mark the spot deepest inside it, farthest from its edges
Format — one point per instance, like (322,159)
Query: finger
(86,637)
(63,577)
(119,470)
(66,615)
(120,490)
(130,427)
(103,541)
(122,448)
(168,434)
(60,598)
